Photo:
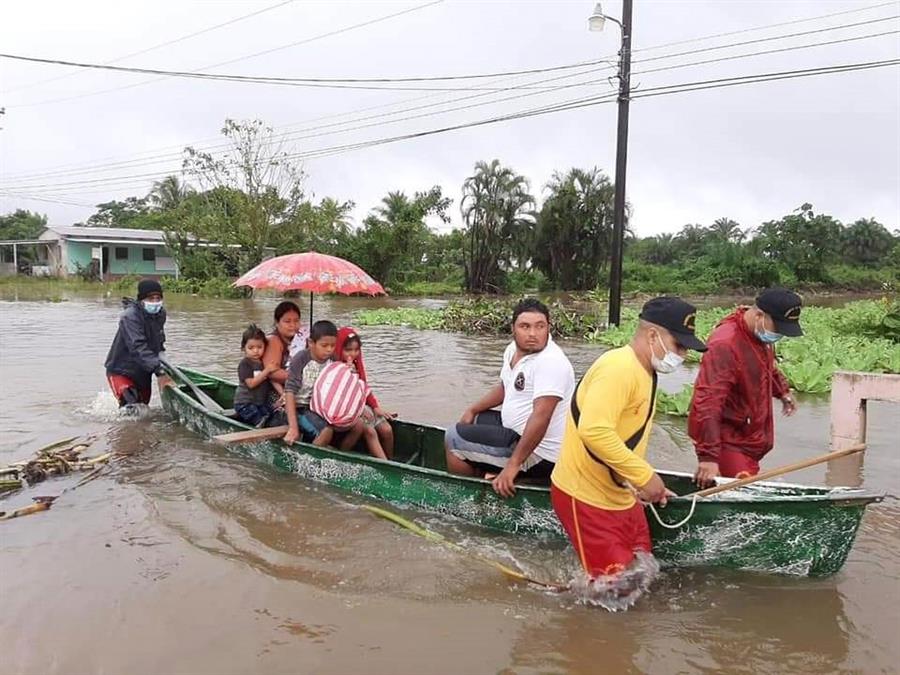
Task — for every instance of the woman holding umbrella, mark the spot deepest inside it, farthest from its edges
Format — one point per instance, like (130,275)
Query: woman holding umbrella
(310,271)
(277,354)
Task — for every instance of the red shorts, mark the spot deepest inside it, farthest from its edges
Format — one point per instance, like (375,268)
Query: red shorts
(605,540)
(119,383)
(735,464)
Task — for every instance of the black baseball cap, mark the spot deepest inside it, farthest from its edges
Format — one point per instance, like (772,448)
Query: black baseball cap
(147,287)
(676,316)
(784,307)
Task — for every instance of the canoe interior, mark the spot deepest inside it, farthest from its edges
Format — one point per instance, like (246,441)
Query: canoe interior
(770,527)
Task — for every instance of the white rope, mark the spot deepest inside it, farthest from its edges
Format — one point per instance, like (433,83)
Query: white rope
(680,523)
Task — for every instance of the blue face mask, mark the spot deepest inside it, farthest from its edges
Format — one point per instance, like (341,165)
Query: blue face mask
(767,337)
(153,307)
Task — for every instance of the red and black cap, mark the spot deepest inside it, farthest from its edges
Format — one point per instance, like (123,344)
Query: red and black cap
(676,316)
(784,307)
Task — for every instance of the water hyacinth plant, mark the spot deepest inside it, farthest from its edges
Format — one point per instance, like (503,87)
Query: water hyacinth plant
(861,336)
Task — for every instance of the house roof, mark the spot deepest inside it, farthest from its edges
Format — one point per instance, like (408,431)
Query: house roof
(94,234)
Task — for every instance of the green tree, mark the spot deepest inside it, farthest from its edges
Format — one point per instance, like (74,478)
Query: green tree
(498,210)
(168,193)
(656,250)
(128,214)
(804,241)
(867,242)
(394,238)
(691,242)
(261,180)
(21,224)
(726,230)
(324,227)
(574,231)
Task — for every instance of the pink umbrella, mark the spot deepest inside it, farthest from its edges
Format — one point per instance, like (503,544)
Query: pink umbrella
(313,272)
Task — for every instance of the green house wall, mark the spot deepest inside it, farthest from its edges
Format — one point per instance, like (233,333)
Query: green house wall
(79,254)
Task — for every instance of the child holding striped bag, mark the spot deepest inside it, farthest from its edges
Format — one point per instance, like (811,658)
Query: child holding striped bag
(379,434)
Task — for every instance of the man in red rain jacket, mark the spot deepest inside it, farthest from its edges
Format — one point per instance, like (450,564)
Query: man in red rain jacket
(731,420)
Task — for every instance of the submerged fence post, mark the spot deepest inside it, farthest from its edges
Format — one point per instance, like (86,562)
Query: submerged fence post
(850,391)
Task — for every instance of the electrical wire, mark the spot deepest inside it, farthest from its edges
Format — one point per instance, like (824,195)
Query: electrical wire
(768,39)
(167,43)
(704,38)
(298,135)
(91,167)
(559,107)
(379,83)
(271,50)
(168,157)
(321,83)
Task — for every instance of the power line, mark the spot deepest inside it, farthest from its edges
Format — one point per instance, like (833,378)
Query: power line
(271,50)
(378,83)
(656,91)
(559,107)
(88,167)
(45,198)
(768,39)
(766,52)
(311,80)
(343,128)
(167,43)
(294,135)
(741,31)
(335,83)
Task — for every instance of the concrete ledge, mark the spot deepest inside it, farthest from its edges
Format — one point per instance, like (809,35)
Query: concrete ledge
(849,393)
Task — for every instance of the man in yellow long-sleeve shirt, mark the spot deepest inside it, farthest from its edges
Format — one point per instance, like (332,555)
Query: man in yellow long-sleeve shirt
(606,436)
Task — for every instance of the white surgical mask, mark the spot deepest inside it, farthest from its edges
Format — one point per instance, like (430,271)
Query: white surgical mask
(669,363)
(153,307)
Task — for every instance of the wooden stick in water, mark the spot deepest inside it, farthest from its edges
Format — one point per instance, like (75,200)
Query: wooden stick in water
(772,473)
(252,435)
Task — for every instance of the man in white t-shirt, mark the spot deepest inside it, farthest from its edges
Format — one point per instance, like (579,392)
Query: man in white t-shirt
(524,436)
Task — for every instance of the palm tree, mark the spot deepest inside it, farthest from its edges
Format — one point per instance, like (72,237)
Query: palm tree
(867,241)
(575,228)
(168,193)
(727,230)
(498,210)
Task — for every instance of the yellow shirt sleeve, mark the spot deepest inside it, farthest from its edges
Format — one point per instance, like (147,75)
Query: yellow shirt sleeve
(610,388)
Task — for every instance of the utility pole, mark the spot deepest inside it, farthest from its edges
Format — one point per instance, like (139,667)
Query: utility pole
(618,241)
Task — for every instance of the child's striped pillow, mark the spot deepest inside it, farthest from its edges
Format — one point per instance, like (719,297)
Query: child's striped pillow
(339,396)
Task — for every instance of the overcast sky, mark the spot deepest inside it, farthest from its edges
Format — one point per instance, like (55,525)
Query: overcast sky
(751,153)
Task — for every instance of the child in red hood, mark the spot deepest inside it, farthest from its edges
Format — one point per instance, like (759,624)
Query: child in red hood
(379,434)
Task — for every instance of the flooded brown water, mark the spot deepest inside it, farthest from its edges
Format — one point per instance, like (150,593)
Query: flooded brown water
(187,559)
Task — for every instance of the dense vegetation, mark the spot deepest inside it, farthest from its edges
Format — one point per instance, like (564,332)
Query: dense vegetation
(251,200)
(863,335)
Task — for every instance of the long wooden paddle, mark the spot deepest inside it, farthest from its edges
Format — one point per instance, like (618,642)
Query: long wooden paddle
(252,435)
(772,473)
(201,395)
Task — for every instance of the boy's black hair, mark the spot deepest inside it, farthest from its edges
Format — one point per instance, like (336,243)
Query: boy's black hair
(530,305)
(253,332)
(284,307)
(322,329)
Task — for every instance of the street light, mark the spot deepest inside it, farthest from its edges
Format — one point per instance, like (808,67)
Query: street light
(596,22)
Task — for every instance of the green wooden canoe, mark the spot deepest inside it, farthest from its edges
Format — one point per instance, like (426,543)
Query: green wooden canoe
(765,527)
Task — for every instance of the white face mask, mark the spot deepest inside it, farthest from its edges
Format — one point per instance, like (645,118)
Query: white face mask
(152,307)
(669,363)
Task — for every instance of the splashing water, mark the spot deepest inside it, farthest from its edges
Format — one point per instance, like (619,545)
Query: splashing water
(105,408)
(618,592)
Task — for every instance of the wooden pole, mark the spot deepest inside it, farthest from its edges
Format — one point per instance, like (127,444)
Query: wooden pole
(772,473)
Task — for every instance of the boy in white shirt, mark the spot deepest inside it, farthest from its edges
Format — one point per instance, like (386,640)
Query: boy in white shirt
(524,437)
